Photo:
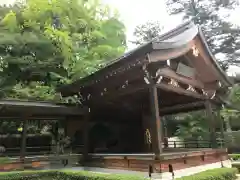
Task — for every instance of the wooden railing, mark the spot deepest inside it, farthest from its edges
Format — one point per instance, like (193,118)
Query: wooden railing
(193,144)
(39,150)
(29,151)
(44,150)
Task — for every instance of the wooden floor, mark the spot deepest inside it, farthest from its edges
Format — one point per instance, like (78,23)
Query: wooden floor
(166,153)
(177,158)
(170,152)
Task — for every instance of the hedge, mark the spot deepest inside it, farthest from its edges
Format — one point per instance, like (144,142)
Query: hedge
(215,174)
(65,175)
(5,160)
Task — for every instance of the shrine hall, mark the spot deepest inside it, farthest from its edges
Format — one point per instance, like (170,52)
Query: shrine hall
(127,99)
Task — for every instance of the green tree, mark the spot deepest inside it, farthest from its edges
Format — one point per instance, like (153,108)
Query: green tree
(193,126)
(46,43)
(231,113)
(147,32)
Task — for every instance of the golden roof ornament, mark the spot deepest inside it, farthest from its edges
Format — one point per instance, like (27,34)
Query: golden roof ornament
(195,51)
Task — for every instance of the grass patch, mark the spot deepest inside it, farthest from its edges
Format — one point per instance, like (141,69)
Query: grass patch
(215,174)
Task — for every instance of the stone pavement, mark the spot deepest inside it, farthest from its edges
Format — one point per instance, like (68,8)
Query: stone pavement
(163,176)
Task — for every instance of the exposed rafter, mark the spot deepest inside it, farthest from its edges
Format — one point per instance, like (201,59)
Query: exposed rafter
(180,90)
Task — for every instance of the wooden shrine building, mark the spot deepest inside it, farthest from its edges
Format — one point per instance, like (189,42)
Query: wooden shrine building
(27,111)
(174,73)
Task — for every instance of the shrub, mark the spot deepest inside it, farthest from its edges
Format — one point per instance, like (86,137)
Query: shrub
(214,174)
(28,175)
(236,165)
(234,156)
(5,160)
(64,175)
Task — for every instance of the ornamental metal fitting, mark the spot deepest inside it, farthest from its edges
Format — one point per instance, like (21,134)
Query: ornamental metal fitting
(205,92)
(148,136)
(191,88)
(195,51)
(174,83)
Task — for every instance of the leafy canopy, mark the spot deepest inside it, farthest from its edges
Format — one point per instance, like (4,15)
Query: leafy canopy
(46,43)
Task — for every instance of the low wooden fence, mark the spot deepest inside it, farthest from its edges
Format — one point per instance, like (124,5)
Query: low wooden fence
(193,144)
(78,149)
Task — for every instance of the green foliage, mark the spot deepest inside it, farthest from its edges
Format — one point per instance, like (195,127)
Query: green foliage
(147,32)
(44,44)
(65,175)
(5,160)
(193,126)
(196,122)
(214,174)
(9,126)
(234,95)
(232,114)
(236,165)
(234,156)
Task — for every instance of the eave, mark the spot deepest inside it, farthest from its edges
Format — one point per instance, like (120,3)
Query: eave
(170,45)
(224,78)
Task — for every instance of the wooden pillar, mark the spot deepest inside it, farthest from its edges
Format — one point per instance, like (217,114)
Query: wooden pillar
(222,132)
(86,135)
(221,120)
(56,127)
(155,122)
(147,133)
(165,133)
(23,138)
(212,123)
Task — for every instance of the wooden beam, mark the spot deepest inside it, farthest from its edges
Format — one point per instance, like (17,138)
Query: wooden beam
(155,122)
(209,73)
(178,107)
(180,91)
(86,135)
(56,127)
(169,73)
(171,53)
(23,143)
(115,81)
(116,94)
(212,121)
(222,130)
(113,70)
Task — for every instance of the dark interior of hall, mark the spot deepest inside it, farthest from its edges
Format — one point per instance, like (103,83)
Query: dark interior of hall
(120,125)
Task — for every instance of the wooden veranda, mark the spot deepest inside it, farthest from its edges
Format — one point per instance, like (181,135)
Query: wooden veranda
(26,111)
